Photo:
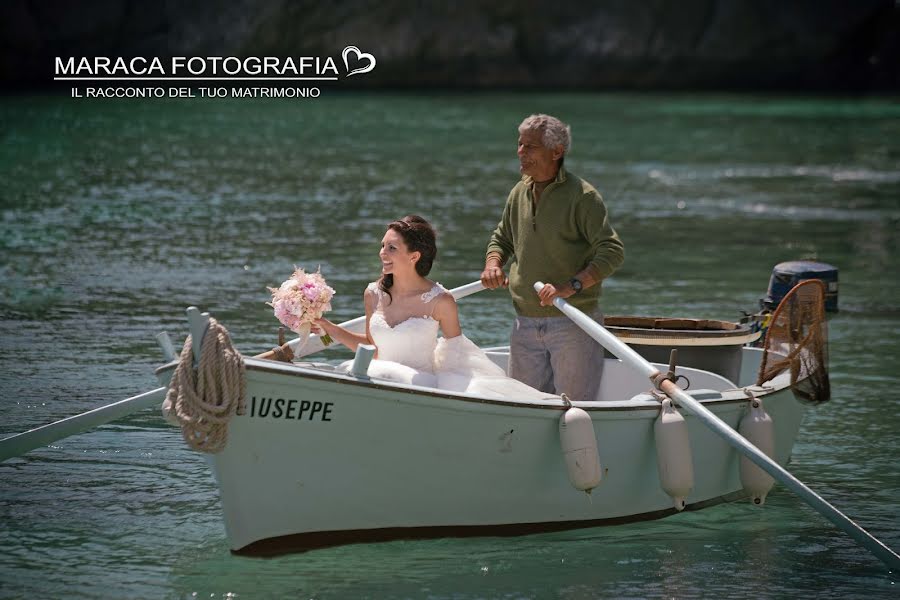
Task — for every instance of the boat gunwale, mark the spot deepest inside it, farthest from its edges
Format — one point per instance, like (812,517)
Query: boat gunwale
(735,395)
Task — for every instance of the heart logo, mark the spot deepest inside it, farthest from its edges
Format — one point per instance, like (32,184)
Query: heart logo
(360,56)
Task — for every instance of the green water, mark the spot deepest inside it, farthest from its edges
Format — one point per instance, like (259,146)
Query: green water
(117,214)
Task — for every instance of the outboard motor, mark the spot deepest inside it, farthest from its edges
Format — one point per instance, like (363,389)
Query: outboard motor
(788,274)
(785,277)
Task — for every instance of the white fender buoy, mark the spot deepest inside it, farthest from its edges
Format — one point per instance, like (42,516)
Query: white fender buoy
(579,446)
(757,427)
(673,454)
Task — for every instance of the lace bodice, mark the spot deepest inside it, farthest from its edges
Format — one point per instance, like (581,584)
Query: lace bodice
(412,341)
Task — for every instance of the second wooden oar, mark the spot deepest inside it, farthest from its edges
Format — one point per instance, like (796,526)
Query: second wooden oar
(779,473)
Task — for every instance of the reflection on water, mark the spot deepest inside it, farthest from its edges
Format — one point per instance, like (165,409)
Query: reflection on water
(115,216)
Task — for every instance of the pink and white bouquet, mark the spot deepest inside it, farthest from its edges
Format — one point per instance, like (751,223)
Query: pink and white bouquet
(301,299)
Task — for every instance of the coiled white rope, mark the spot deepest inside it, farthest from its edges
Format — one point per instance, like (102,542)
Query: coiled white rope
(202,401)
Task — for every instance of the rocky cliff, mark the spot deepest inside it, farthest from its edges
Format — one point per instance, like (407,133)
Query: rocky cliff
(651,44)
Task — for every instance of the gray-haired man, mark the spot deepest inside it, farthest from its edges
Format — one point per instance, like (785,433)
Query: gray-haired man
(555,229)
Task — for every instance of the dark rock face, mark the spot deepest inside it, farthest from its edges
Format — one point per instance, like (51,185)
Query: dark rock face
(654,44)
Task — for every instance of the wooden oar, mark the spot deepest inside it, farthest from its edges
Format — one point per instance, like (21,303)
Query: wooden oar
(733,438)
(21,443)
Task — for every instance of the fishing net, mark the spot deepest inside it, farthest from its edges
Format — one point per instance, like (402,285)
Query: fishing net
(797,341)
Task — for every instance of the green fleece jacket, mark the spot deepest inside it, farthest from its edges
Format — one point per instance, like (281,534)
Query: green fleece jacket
(552,241)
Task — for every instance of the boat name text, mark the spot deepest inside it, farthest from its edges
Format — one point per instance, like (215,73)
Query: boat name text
(288,408)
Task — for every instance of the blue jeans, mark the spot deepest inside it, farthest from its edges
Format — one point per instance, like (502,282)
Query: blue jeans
(555,356)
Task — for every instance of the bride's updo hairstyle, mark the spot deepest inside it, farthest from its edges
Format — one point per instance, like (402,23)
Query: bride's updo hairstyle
(419,236)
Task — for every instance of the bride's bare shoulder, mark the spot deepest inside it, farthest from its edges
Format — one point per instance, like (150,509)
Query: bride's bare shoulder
(444,302)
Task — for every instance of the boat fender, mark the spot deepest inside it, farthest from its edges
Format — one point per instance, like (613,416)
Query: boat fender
(757,428)
(673,454)
(579,446)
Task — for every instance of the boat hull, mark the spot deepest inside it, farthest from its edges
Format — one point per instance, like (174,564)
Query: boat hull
(320,459)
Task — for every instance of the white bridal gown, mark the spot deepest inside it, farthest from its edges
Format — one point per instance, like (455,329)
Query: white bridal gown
(411,352)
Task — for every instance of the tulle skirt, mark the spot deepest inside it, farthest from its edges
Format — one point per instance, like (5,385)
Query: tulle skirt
(459,366)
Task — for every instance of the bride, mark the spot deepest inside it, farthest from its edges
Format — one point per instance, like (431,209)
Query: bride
(404,313)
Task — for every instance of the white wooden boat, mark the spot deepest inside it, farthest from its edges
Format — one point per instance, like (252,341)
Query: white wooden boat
(322,457)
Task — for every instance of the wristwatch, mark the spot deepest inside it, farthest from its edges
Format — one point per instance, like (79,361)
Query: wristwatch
(576,284)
